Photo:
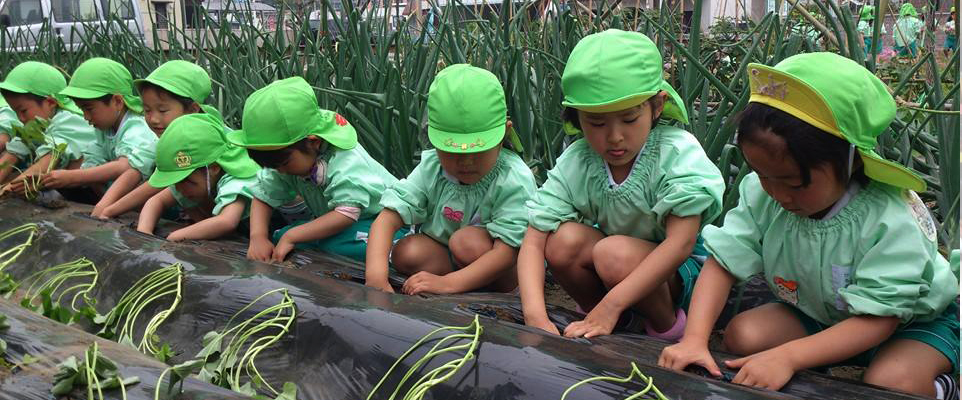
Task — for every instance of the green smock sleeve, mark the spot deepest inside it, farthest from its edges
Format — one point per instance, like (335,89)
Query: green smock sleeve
(138,144)
(510,216)
(351,181)
(690,183)
(553,203)
(272,188)
(72,129)
(231,189)
(409,196)
(737,244)
(894,278)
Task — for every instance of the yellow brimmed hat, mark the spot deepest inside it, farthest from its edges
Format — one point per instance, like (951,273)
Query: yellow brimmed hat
(848,101)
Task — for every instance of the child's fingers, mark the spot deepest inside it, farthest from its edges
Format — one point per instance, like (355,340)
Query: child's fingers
(736,363)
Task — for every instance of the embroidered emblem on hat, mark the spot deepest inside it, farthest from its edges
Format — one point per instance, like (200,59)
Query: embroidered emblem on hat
(182,160)
(772,88)
(339,120)
(464,146)
(921,214)
(786,290)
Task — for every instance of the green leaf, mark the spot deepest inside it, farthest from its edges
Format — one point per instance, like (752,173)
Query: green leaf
(3,347)
(288,393)
(28,359)
(164,354)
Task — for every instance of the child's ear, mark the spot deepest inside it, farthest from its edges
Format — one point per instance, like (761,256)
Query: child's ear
(214,168)
(507,127)
(51,105)
(118,101)
(194,108)
(314,142)
(658,105)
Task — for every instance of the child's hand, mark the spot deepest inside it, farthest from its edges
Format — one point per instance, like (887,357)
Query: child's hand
(260,249)
(284,246)
(687,352)
(600,321)
(385,286)
(545,325)
(176,236)
(56,179)
(767,369)
(426,282)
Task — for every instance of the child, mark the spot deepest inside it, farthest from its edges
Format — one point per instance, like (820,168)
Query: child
(199,168)
(8,120)
(31,89)
(951,39)
(123,151)
(866,28)
(467,195)
(844,242)
(907,29)
(316,156)
(175,88)
(618,218)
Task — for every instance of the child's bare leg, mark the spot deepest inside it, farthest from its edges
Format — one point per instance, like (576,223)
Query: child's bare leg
(616,257)
(468,244)
(762,328)
(568,252)
(419,252)
(907,365)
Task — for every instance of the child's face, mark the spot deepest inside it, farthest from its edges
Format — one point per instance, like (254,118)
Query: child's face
(300,163)
(104,116)
(160,109)
(194,186)
(782,180)
(28,108)
(618,136)
(469,168)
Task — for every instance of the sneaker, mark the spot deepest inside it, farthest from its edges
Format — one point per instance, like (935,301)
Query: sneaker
(946,387)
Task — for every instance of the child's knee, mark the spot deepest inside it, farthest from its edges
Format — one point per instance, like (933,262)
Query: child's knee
(899,376)
(614,259)
(742,337)
(564,247)
(469,243)
(407,255)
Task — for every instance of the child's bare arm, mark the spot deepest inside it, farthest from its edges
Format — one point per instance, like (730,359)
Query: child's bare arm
(707,301)
(153,209)
(87,176)
(531,280)
(213,227)
(126,182)
(37,168)
(7,160)
(129,202)
(773,368)
(321,227)
(260,247)
(485,270)
(660,265)
(379,245)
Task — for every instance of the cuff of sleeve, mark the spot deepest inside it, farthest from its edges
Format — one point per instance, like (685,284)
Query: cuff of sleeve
(350,212)
(862,305)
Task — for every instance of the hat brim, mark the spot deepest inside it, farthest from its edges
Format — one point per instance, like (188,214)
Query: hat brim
(623,103)
(10,87)
(163,85)
(81,93)
(237,164)
(161,179)
(889,172)
(465,143)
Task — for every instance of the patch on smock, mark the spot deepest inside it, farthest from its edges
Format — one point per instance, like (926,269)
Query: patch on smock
(786,290)
(921,214)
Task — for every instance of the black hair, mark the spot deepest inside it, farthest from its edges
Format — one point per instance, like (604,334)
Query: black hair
(807,145)
(186,102)
(103,99)
(31,96)
(570,114)
(274,158)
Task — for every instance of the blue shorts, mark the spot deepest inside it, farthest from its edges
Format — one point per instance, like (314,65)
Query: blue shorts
(351,242)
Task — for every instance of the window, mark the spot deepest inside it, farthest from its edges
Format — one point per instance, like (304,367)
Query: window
(74,10)
(21,12)
(122,9)
(161,20)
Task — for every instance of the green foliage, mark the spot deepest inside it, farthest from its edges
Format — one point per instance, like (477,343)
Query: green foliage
(162,286)
(96,373)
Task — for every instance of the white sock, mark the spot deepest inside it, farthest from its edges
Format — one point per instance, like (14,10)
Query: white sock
(939,394)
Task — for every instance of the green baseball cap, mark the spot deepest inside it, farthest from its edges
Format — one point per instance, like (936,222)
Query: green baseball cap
(182,78)
(616,70)
(38,79)
(908,10)
(466,110)
(850,103)
(98,77)
(284,112)
(867,13)
(194,141)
